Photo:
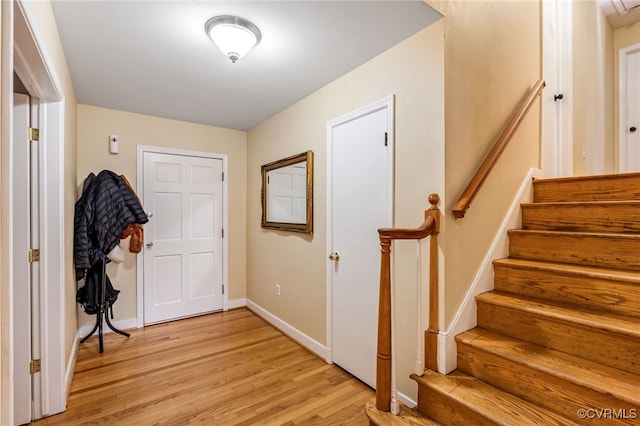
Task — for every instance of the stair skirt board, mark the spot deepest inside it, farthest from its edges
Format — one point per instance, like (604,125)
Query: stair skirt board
(465,317)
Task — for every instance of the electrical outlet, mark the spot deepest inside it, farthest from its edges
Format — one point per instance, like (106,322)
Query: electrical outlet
(277,289)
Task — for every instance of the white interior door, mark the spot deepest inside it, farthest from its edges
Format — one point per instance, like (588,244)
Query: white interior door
(183,238)
(557,71)
(361,179)
(21,268)
(629,117)
(26,274)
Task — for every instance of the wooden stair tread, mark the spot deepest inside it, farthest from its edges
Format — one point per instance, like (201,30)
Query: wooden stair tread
(406,416)
(620,324)
(576,234)
(621,186)
(570,269)
(587,178)
(588,203)
(583,216)
(488,401)
(605,250)
(607,380)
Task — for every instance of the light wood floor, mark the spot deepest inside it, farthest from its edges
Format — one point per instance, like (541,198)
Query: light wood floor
(227,368)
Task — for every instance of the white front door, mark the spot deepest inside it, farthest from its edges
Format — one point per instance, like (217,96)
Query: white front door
(183,238)
(629,117)
(360,169)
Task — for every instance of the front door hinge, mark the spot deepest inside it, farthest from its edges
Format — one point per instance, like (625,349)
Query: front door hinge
(33,134)
(223,289)
(386,138)
(35,366)
(34,255)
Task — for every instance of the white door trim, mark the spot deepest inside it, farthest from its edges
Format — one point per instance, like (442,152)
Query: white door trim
(21,40)
(225,221)
(388,103)
(623,113)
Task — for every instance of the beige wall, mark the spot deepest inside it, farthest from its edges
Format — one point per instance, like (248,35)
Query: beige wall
(622,37)
(94,127)
(413,72)
(492,59)
(593,91)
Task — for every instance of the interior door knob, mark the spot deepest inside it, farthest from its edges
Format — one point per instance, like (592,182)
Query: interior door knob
(632,129)
(334,256)
(149,244)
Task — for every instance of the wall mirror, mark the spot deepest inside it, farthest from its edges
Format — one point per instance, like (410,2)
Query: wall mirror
(287,194)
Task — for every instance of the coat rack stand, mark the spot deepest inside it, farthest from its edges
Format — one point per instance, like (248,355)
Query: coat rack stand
(103,312)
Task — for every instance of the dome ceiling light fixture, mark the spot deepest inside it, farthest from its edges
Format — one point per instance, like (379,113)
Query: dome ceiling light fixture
(234,36)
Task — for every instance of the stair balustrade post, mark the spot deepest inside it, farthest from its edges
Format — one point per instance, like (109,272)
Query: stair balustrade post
(383,362)
(431,338)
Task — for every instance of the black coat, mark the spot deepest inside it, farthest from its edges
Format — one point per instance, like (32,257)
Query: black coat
(107,206)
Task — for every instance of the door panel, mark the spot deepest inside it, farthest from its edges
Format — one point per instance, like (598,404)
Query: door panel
(361,205)
(21,268)
(630,115)
(183,251)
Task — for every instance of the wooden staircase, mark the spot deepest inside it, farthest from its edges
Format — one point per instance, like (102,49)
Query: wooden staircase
(558,340)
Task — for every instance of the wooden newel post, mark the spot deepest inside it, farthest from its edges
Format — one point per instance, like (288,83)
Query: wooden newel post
(429,227)
(383,365)
(431,338)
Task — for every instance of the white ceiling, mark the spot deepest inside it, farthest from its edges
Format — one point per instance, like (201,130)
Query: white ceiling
(153,57)
(621,13)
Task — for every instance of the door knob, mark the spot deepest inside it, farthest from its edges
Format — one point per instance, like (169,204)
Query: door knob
(632,129)
(149,244)
(149,215)
(334,256)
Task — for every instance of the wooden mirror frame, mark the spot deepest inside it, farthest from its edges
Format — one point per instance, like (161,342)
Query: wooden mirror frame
(284,226)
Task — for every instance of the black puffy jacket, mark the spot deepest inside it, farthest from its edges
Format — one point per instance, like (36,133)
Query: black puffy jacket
(107,206)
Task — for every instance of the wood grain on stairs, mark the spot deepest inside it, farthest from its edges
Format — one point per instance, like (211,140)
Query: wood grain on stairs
(616,291)
(616,251)
(460,399)
(622,186)
(555,380)
(560,334)
(613,340)
(602,216)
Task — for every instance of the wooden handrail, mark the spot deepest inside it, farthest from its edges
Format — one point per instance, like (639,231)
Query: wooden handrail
(430,227)
(461,206)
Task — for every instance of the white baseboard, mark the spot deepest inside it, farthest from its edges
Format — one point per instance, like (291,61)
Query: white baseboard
(406,400)
(466,316)
(236,303)
(306,341)
(71,368)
